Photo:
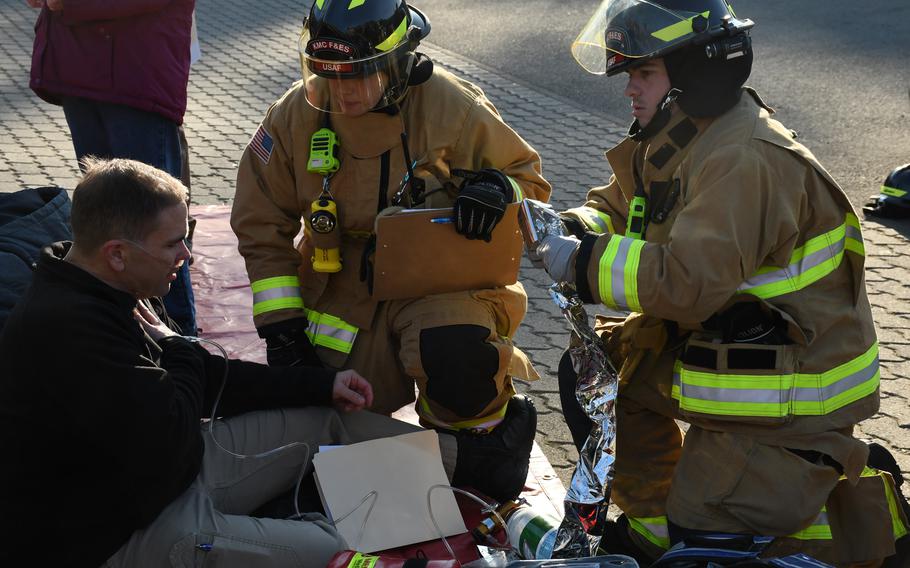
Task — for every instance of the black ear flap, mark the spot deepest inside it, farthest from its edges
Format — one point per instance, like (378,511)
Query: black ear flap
(709,87)
(422,70)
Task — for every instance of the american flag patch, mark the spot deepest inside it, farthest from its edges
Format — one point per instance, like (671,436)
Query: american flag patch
(261,144)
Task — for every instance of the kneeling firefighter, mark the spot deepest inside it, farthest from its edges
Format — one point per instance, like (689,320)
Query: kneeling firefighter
(374,125)
(740,262)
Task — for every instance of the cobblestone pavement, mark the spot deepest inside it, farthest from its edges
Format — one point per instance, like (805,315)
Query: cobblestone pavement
(249,59)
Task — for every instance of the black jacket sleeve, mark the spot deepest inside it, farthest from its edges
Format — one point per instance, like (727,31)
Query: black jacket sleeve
(249,386)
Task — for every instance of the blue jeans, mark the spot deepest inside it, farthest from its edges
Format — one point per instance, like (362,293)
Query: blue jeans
(108,130)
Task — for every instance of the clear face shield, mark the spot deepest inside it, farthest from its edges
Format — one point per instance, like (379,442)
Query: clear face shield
(336,82)
(624,30)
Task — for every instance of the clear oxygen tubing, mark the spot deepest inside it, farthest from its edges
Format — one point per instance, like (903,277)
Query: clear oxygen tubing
(297,514)
(487,507)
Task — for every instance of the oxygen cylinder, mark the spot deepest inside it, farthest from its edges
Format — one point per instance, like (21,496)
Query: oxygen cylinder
(531,533)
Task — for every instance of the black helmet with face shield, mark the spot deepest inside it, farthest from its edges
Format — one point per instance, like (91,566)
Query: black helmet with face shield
(706,48)
(894,199)
(368,44)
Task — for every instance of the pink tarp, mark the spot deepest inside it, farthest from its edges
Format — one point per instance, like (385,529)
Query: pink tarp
(224,314)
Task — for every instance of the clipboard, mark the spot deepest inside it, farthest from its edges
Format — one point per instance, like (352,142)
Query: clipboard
(418,253)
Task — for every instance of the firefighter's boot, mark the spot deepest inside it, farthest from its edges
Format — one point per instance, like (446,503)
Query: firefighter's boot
(496,463)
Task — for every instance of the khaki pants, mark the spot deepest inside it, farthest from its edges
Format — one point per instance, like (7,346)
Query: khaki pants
(391,354)
(208,524)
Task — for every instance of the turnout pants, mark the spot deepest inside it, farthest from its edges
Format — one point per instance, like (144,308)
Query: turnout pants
(737,482)
(456,347)
(209,524)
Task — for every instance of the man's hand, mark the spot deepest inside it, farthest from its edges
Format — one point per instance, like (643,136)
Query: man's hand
(557,253)
(54,5)
(351,392)
(35,3)
(150,323)
(481,203)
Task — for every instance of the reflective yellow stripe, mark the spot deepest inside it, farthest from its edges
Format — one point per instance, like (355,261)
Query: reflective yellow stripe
(275,282)
(362,561)
(330,331)
(654,529)
(355,3)
(487,422)
(893,191)
(595,220)
(605,219)
(517,193)
(897,524)
(319,3)
(276,293)
(817,258)
(677,30)
(820,529)
(618,273)
(396,36)
(777,396)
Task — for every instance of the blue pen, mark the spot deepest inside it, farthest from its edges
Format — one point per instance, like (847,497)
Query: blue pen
(204,547)
(442,220)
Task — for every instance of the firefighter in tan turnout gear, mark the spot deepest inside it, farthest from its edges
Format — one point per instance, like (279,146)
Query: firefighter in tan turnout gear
(741,262)
(373,125)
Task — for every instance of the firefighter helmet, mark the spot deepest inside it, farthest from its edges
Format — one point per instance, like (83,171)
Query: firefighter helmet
(365,48)
(894,199)
(624,33)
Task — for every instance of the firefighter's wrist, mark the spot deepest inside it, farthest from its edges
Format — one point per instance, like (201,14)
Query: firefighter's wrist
(290,327)
(582,260)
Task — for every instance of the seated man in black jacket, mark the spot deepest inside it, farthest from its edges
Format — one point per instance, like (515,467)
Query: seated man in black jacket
(105,462)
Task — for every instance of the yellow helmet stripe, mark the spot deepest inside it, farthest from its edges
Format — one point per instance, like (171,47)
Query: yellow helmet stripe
(396,36)
(677,30)
(355,3)
(320,3)
(893,191)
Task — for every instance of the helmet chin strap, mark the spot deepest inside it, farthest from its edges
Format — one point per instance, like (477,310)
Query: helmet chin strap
(658,121)
(420,71)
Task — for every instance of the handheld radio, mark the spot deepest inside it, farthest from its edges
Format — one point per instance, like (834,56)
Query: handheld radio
(323,219)
(323,153)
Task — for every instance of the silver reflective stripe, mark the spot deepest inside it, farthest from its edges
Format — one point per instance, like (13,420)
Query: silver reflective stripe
(604,228)
(854,233)
(794,270)
(797,393)
(805,264)
(618,272)
(592,218)
(734,395)
(657,529)
(326,330)
(806,394)
(801,394)
(276,294)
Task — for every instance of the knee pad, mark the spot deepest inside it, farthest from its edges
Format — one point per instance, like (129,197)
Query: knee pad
(460,366)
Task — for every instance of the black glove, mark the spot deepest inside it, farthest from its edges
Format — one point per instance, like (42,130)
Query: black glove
(481,203)
(288,346)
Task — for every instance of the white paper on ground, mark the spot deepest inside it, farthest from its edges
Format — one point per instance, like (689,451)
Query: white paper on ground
(400,469)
